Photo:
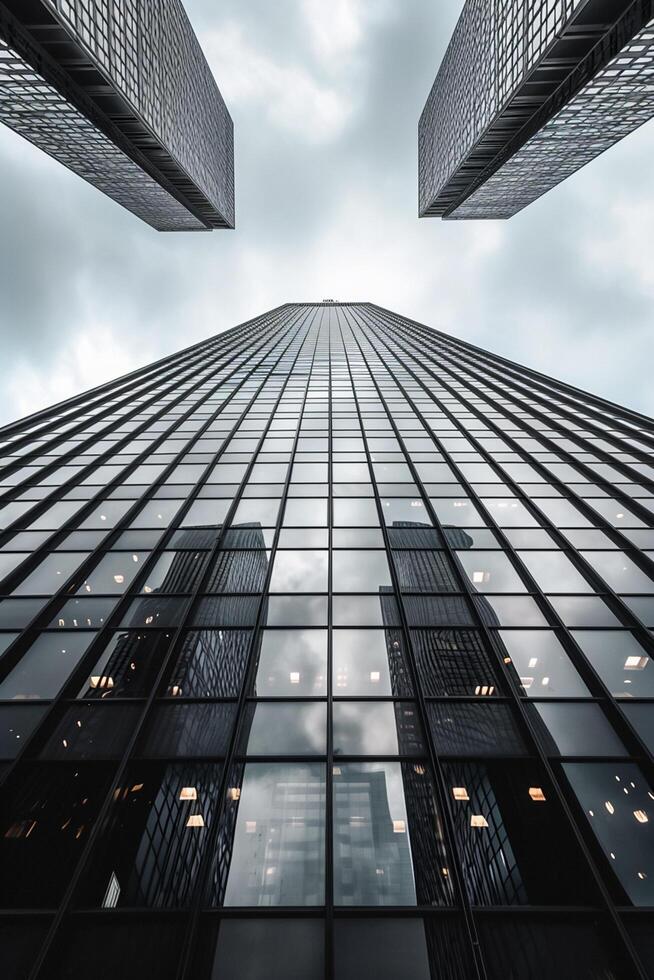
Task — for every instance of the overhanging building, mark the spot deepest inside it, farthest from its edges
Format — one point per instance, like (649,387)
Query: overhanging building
(122,95)
(327,653)
(528,92)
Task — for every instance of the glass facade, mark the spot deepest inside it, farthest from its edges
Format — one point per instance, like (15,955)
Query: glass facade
(528,92)
(326,652)
(121,94)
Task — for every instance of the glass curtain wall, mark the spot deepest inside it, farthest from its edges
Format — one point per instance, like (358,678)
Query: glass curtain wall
(326,652)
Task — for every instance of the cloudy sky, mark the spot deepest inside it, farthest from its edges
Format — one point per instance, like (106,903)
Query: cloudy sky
(325,97)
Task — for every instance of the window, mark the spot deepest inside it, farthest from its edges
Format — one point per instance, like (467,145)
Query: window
(292,663)
(45,666)
(300,571)
(617,802)
(540,664)
(621,662)
(278,851)
(292,728)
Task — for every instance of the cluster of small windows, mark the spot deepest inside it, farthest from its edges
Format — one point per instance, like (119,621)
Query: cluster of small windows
(326,651)
(477,155)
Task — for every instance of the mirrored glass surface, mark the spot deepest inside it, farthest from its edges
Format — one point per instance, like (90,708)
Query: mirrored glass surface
(360,571)
(491,571)
(300,571)
(285,728)
(370,663)
(376,728)
(388,845)
(617,802)
(540,665)
(277,849)
(292,663)
(45,666)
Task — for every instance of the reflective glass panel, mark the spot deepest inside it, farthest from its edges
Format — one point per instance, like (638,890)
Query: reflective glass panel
(277,850)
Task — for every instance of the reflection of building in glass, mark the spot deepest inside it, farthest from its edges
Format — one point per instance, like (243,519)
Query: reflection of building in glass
(122,95)
(373,857)
(433,774)
(153,845)
(527,93)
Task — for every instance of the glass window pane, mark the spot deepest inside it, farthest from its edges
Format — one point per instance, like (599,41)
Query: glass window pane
(376,728)
(425,571)
(127,665)
(541,665)
(509,512)
(269,949)
(619,572)
(300,571)
(189,730)
(305,513)
(263,512)
(365,610)
(475,730)
(210,663)
(514,841)
(45,666)
(584,611)
(278,848)
(51,575)
(576,729)
(296,610)
(91,731)
(385,949)
(457,512)
(292,663)
(360,571)
(370,663)
(175,571)
(454,663)
(623,664)
(113,574)
(355,512)
(297,728)
(554,572)
(549,947)
(17,722)
(617,802)
(491,571)
(499,610)
(400,511)
(39,853)
(388,844)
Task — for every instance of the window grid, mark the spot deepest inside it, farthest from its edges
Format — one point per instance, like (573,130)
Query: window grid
(339,649)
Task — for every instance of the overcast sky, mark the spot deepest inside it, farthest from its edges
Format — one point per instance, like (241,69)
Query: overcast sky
(325,97)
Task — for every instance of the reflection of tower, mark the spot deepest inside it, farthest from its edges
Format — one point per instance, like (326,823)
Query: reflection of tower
(492,872)
(160,825)
(212,661)
(372,855)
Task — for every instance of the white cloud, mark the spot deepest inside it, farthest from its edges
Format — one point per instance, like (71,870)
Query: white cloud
(91,359)
(288,95)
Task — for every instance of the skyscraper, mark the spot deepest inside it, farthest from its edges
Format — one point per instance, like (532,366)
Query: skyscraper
(121,94)
(327,653)
(528,92)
